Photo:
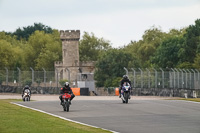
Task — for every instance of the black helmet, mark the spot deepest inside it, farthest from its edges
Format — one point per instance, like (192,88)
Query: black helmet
(125,77)
(26,87)
(66,84)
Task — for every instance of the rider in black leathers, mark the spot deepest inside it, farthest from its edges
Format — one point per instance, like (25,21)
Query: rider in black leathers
(66,89)
(125,79)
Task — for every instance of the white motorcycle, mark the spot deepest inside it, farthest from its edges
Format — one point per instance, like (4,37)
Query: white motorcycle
(27,95)
(125,92)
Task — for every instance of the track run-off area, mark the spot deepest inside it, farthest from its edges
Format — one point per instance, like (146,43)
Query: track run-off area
(140,115)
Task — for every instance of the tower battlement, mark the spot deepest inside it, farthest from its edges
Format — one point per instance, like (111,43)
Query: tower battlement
(70,35)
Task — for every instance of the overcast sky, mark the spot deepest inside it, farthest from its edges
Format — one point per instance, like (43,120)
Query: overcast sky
(118,21)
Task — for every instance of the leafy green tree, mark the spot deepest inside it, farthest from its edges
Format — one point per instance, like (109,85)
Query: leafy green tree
(196,63)
(153,36)
(43,50)
(91,47)
(185,65)
(110,66)
(191,46)
(6,54)
(25,32)
(11,50)
(144,49)
(167,54)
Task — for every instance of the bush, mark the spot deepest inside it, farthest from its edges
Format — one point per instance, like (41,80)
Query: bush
(1,78)
(38,81)
(63,81)
(27,82)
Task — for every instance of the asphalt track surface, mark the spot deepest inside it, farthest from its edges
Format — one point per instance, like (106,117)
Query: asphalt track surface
(138,116)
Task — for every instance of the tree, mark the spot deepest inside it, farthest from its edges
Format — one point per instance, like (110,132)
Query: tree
(144,49)
(43,50)
(6,54)
(25,32)
(109,67)
(167,54)
(91,47)
(197,62)
(191,46)
(10,51)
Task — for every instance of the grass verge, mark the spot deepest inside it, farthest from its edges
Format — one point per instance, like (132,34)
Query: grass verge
(190,99)
(16,119)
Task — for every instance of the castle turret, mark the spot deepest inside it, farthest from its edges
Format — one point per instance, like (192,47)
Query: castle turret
(70,41)
(71,68)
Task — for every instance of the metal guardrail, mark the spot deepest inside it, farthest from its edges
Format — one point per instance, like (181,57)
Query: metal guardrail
(168,78)
(35,78)
(141,78)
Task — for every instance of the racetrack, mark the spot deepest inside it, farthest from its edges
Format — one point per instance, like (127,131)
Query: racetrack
(138,116)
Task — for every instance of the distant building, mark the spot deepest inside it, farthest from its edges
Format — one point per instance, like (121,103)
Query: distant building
(78,73)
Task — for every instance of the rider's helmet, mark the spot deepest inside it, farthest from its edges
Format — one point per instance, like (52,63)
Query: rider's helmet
(26,87)
(66,84)
(125,77)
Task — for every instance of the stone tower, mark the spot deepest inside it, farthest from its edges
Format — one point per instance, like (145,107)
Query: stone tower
(70,49)
(70,67)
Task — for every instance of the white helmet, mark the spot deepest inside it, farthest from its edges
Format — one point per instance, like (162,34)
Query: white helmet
(66,84)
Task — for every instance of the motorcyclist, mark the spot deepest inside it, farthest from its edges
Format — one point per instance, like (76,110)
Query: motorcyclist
(66,89)
(26,89)
(124,80)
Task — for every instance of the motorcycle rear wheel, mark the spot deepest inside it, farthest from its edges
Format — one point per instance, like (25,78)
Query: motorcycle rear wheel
(67,106)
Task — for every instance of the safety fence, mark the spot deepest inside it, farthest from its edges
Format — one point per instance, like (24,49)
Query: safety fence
(141,78)
(33,78)
(146,81)
(164,78)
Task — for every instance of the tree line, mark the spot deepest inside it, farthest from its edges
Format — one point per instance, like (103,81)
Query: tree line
(39,46)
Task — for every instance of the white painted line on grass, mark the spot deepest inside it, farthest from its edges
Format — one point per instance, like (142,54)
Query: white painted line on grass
(62,117)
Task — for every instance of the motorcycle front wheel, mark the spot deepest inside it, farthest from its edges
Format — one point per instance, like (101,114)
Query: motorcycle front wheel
(126,97)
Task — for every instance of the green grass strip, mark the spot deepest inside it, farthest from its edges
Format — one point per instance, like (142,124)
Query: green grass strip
(16,119)
(190,99)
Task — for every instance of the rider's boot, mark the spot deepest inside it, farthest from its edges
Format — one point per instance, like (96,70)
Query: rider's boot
(70,102)
(129,97)
(61,102)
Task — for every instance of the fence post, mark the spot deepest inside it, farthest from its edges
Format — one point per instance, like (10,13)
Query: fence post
(68,73)
(19,78)
(141,77)
(174,77)
(182,77)
(185,78)
(126,71)
(148,78)
(198,78)
(32,74)
(190,77)
(57,78)
(194,78)
(163,83)
(45,76)
(155,77)
(6,76)
(134,83)
(178,75)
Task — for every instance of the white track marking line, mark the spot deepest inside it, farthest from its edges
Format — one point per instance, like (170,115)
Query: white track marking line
(62,117)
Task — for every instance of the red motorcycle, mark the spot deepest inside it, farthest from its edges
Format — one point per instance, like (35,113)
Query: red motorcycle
(66,101)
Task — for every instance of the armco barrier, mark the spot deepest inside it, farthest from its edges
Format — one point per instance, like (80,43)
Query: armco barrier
(81,91)
(84,92)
